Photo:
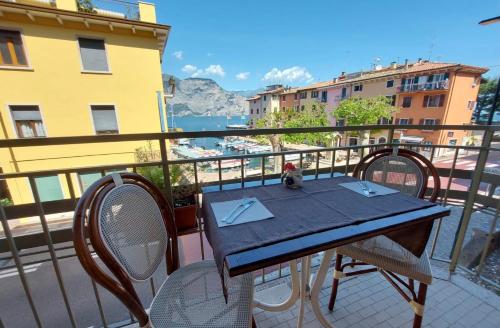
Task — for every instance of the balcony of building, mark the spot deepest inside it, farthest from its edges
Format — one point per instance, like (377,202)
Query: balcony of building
(44,285)
(428,86)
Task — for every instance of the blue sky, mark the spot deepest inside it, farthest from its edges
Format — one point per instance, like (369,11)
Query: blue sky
(249,44)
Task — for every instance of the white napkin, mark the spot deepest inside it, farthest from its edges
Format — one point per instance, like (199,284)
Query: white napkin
(256,212)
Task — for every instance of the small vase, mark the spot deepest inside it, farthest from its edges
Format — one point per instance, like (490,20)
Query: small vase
(293,179)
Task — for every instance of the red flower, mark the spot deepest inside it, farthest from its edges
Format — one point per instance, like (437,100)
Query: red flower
(289,167)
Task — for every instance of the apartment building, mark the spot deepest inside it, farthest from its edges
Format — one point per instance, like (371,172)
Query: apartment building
(289,98)
(264,102)
(66,72)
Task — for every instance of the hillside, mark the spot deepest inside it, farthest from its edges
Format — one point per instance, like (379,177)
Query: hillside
(200,96)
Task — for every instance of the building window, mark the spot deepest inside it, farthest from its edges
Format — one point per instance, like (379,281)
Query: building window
(450,134)
(274,97)
(407,102)
(265,97)
(358,88)
(28,121)
(344,93)
(302,108)
(303,95)
(283,98)
(429,121)
(11,49)
(392,99)
(389,84)
(471,104)
(452,142)
(341,122)
(93,54)
(295,96)
(314,94)
(403,121)
(427,143)
(255,101)
(257,111)
(433,101)
(382,140)
(383,120)
(104,118)
(371,141)
(251,110)
(324,96)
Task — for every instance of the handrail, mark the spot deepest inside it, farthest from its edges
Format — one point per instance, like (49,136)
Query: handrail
(52,141)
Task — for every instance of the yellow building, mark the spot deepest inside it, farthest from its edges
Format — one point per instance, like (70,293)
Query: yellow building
(65,72)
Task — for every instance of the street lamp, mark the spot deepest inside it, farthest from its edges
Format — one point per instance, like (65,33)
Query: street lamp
(495,99)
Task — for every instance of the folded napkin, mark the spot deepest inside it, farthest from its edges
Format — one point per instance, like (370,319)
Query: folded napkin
(375,189)
(256,212)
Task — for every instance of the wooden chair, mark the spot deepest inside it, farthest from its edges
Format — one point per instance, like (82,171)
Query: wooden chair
(408,172)
(130,227)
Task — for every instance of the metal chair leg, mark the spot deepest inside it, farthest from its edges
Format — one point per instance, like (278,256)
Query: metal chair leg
(333,296)
(422,293)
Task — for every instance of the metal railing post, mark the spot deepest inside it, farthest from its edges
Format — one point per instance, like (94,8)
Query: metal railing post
(50,245)
(166,174)
(469,203)
(19,265)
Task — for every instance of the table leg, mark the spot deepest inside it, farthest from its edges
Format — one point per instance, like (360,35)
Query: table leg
(305,274)
(292,299)
(318,284)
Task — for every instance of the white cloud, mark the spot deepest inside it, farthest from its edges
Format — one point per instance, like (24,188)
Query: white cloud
(189,69)
(242,76)
(178,54)
(291,74)
(212,70)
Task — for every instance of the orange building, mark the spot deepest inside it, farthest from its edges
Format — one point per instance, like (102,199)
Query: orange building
(289,99)
(436,94)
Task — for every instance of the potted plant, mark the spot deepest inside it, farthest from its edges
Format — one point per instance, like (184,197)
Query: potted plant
(183,190)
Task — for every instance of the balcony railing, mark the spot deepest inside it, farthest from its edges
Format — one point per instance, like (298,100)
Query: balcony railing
(429,86)
(466,184)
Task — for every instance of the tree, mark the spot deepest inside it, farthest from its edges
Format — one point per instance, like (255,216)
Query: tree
(485,99)
(364,111)
(315,116)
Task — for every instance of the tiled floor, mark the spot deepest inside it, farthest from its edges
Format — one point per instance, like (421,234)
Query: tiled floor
(370,301)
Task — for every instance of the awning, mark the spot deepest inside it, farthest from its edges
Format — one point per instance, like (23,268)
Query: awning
(411,139)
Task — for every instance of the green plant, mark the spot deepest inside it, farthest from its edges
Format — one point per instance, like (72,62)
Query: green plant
(364,111)
(313,116)
(180,175)
(85,6)
(6,202)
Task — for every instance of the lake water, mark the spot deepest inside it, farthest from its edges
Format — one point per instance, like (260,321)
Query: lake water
(206,123)
(211,123)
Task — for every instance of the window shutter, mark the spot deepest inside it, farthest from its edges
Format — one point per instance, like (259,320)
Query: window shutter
(93,55)
(104,118)
(416,80)
(397,121)
(426,101)
(441,100)
(26,113)
(410,121)
(429,79)
(421,122)
(436,121)
(446,76)
(403,81)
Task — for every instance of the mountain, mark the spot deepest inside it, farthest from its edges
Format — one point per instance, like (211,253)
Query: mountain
(249,93)
(200,96)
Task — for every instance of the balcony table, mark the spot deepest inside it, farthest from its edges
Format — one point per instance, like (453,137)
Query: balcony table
(346,222)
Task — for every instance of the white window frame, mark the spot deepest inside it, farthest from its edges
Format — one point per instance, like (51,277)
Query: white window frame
(117,116)
(407,121)
(28,66)
(82,69)
(13,122)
